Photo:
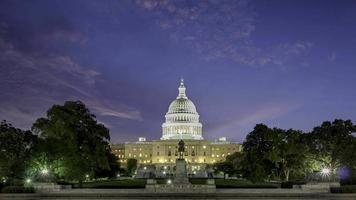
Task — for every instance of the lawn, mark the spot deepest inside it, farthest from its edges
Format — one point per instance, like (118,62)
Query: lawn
(140,183)
(233,183)
(127,183)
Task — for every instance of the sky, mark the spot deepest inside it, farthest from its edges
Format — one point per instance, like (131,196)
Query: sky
(288,64)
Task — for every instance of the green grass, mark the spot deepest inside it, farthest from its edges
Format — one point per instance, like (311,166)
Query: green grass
(233,183)
(230,183)
(128,183)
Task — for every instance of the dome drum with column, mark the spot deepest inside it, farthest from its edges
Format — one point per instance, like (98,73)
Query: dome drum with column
(182,119)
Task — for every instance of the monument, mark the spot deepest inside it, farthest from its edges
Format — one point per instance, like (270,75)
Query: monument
(180,182)
(181,177)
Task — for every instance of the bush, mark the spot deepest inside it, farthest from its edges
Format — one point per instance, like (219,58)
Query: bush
(349,181)
(289,184)
(1,186)
(128,183)
(335,190)
(17,189)
(344,189)
(61,182)
(226,183)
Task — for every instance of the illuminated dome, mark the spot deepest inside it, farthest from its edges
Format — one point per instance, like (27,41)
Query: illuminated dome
(182,119)
(182,105)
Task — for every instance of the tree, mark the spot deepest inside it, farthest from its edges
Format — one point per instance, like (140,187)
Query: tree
(114,167)
(15,148)
(232,164)
(73,145)
(331,143)
(273,153)
(290,153)
(225,167)
(257,144)
(131,165)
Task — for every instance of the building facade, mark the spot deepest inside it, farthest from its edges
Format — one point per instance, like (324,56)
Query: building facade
(181,123)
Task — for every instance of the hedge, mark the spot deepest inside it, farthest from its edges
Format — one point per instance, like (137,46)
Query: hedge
(17,189)
(344,189)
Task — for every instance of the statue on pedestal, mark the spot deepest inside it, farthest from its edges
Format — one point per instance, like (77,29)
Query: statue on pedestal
(180,149)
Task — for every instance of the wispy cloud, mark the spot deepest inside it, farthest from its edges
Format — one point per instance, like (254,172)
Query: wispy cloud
(220,29)
(31,84)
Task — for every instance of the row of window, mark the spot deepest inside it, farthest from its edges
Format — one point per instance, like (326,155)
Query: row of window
(170,154)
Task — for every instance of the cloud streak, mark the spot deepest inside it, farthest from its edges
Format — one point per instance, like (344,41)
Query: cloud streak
(41,81)
(220,30)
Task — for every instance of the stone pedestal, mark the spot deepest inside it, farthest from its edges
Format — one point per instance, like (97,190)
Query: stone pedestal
(181,173)
(180,183)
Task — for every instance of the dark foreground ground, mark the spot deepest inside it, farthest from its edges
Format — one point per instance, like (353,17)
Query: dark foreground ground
(77,194)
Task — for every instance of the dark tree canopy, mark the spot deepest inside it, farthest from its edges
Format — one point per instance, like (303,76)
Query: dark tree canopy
(15,148)
(73,144)
(131,165)
(273,154)
(332,143)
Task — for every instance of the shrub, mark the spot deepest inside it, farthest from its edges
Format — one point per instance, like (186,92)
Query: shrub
(349,181)
(289,184)
(129,183)
(335,189)
(225,183)
(17,189)
(344,189)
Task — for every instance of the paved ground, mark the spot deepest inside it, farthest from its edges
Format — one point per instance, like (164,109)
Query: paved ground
(79,194)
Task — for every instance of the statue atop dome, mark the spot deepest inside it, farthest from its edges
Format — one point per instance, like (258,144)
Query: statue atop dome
(181,90)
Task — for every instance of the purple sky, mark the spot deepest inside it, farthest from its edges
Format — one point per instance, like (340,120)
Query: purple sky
(290,64)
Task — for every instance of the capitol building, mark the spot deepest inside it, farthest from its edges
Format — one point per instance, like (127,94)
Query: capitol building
(181,123)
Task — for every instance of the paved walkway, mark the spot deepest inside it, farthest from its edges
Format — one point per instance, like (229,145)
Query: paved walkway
(79,194)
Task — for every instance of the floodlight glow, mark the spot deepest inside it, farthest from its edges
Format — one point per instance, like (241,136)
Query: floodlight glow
(44,171)
(325,171)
